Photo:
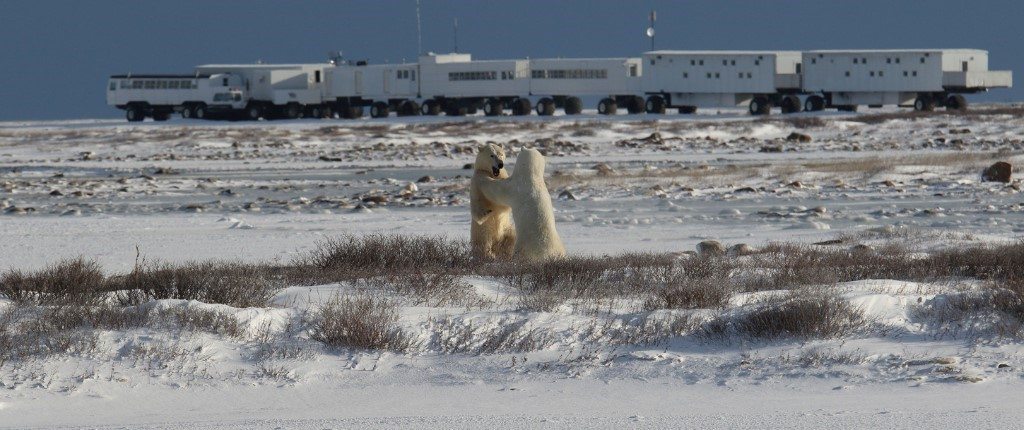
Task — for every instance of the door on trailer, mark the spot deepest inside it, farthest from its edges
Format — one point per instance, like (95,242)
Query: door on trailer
(359,82)
(963,65)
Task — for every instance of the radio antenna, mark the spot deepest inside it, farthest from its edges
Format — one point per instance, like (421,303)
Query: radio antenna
(455,29)
(419,31)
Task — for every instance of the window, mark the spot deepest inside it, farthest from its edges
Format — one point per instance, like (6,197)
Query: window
(113,86)
(881,73)
(413,74)
(709,75)
(750,75)
(632,70)
(701,62)
(864,61)
(757,62)
(686,75)
(855,61)
(914,73)
(693,62)
(725,62)
(888,60)
(652,61)
(224,82)
(150,85)
(814,61)
(537,74)
(872,73)
(847,73)
(922,60)
(733,62)
(905,73)
(741,75)
(717,75)
(316,76)
(897,60)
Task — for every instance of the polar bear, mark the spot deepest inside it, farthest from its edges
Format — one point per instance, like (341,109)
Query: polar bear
(524,191)
(490,233)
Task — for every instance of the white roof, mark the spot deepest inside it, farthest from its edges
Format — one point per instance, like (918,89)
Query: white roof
(889,51)
(261,66)
(670,52)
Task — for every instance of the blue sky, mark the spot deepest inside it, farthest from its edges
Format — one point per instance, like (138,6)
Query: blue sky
(56,55)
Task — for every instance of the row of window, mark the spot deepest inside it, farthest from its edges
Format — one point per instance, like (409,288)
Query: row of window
(481,76)
(157,84)
(717,75)
(864,60)
(881,73)
(570,74)
(407,74)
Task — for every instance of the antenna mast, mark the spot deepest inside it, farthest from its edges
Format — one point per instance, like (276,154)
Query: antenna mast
(650,28)
(419,31)
(455,28)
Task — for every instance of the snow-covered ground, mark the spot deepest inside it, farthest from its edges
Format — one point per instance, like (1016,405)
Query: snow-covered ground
(268,191)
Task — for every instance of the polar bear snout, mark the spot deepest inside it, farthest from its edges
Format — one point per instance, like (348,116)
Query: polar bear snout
(496,168)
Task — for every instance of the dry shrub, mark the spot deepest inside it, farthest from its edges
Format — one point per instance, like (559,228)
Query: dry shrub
(1016,111)
(234,284)
(68,281)
(351,257)
(801,314)
(424,288)
(363,321)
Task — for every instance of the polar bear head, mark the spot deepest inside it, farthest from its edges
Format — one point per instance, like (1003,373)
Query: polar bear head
(529,163)
(490,159)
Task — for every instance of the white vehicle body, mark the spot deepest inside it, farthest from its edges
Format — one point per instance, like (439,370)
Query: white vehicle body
(278,84)
(585,76)
(380,82)
(897,77)
(719,78)
(459,76)
(158,96)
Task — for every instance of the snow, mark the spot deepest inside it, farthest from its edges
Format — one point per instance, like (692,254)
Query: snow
(190,190)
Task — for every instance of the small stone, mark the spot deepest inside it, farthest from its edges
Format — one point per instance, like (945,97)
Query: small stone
(888,183)
(795,184)
(798,137)
(710,247)
(467,166)
(603,169)
(998,172)
(425,179)
(567,195)
(770,149)
(56,193)
(329,158)
(375,199)
(745,190)
(739,250)
(411,188)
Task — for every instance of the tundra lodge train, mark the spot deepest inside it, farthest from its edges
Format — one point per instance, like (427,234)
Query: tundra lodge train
(456,85)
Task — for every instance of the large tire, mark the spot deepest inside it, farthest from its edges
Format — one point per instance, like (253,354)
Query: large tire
(409,108)
(573,106)
(315,111)
(199,111)
(607,106)
(253,112)
(956,102)
(814,104)
(635,105)
(760,105)
(494,107)
(656,105)
(791,104)
(379,110)
(924,103)
(688,110)
(134,113)
(545,107)
(521,107)
(293,111)
(186,112)
(355,112)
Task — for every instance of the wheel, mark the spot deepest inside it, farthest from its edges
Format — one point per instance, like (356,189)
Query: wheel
(607,106)
(956,102)
(545,107)
(315,111)
(760,105)
(924,103)
(199,111)
(253,112)
(635,105)
(379,110)
(134,114)
(161,116)
(790,104)
(494,107)
(655,104)
(688,110)
(814,104)
(186,112)
(293,111)
(355,112)
(573,106)
(409,108)
(521,107)
(431,107)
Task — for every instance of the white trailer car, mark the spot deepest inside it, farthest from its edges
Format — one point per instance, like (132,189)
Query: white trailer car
(159,96)
(691,79)
(382,87)
(457,85)
(279,90)
(562,81)
(922,78)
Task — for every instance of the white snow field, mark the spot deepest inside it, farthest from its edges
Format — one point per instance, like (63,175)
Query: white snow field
(941,347)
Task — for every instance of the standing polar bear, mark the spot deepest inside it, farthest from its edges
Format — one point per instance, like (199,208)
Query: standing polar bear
(524,191)
(490,233)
